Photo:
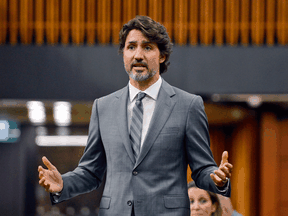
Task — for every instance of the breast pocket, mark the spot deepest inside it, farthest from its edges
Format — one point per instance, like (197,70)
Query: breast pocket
(170,144)
(170,130)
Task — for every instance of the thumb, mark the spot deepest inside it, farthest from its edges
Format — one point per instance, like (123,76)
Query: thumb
(224,157)
(47,163)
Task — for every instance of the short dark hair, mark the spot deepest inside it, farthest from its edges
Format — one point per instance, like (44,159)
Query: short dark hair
(214,199)
(154,31)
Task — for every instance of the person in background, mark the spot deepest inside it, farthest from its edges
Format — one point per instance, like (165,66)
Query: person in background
(202,202)
(227,207)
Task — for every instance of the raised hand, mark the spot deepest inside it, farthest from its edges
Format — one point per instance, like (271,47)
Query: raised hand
(221,176)
(50,178)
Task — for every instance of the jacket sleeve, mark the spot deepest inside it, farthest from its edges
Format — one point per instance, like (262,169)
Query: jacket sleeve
(92,166)
(199,155)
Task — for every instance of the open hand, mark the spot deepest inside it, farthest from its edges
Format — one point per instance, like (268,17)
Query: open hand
(221,176)
(50,178)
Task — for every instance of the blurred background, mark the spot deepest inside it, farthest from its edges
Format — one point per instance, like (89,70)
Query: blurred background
(57,56)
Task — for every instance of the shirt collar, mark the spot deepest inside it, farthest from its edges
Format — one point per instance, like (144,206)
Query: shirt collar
(152,91)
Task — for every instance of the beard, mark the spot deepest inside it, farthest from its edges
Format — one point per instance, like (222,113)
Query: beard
(139,76)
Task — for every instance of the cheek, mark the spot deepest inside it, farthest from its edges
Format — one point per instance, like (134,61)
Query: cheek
(207,207)
(127,62)
(154,64)
(127,56)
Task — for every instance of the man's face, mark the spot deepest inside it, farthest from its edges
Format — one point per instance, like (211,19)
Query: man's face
(141,57)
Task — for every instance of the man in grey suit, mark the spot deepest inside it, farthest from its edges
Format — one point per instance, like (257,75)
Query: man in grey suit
(143,136)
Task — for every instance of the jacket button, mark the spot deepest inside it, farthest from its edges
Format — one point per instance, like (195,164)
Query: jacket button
(135,173)
(129,203)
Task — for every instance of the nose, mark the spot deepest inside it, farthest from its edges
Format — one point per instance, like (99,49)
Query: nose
(194,206)
(138,54)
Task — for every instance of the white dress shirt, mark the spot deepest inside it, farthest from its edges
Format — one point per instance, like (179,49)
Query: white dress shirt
(149,102)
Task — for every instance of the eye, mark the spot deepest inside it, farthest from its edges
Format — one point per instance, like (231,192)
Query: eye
(191,201)
(131,47)
(148,48)
(202,201)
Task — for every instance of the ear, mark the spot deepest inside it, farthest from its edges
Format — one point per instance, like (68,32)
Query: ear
(162,58)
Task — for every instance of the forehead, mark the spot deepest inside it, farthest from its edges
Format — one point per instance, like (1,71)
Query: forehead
(136,36)
(197,192)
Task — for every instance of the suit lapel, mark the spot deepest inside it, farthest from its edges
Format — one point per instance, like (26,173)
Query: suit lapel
(163,109)
(122,121)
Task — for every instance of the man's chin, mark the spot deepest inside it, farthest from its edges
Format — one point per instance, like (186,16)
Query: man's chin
(139,77)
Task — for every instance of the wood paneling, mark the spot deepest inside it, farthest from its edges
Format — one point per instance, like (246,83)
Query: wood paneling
(269,162)
(13,21)
(3,20)
(274,165)
(39,22)
(245,11)
(168,16)
(283,175)
(232,21)
(104,20)
(77,24)
(116,20)
(206,21)
(243,156)
(129,10)
(282,21)
(180,23)
(52,21)
(257,24)
(270,21)
(65,23)
(155,10)
(26,21)
(219,22)
(209,22)
(193,22)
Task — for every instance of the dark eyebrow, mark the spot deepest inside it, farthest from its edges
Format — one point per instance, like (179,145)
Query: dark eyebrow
(147,42)
(143,42)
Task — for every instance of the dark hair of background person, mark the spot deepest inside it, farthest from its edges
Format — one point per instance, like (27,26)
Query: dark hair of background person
(154,32)
(214,199)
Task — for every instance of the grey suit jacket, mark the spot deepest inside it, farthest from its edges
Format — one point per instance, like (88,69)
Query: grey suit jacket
(155,183)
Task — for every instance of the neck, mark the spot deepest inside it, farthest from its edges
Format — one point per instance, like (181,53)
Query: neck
(143,85)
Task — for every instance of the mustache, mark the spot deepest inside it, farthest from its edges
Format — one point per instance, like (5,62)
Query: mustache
(137,64)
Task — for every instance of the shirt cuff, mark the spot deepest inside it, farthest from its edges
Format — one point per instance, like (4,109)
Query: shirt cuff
(56,196)
(224,188)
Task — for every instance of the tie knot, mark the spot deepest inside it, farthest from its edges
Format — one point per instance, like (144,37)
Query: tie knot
(140,96)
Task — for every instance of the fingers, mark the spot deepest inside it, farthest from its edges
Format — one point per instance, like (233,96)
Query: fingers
(48,164)
(41,174)
(218,181)
(50,186)
(44,183)
(41,171)
(227,169)
(224,157)
(220,174)
(40,168)
(215,178)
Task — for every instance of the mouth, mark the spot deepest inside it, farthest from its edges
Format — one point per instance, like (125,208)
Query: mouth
(139,66)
